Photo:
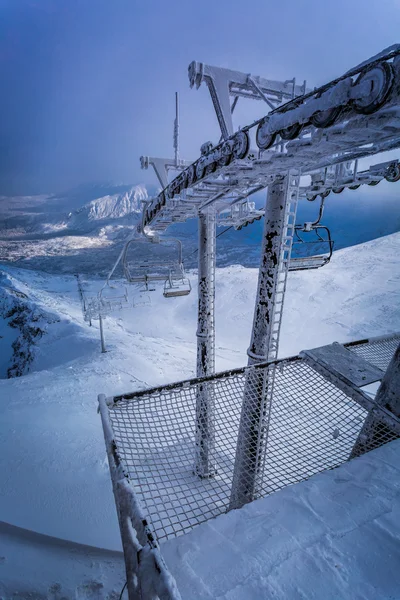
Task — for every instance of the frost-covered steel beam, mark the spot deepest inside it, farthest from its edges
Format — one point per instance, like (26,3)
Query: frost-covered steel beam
(147,575)
(205,436)
(223,83)
(355,116)
(375,430)
(253,427)
(161,166)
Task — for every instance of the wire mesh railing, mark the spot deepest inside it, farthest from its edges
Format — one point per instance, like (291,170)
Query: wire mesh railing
(310,425)
(377,351)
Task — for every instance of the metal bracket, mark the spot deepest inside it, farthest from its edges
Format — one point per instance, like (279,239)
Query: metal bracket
(345,364)
(223,83)
(161,166)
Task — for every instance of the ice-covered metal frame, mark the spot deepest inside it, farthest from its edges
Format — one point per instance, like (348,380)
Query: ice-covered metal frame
(223,83)
(317,411)
(352,117)
(147,574)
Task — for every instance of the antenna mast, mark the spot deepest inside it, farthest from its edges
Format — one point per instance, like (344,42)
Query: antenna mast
(176,129)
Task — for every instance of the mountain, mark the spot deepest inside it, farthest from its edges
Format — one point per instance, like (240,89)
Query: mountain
(90,222)
(108,208)
(79,210)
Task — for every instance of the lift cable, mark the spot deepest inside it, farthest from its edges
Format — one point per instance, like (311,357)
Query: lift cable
(217,236)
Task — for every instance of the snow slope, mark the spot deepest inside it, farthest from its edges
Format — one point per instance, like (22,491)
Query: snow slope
(335,536)
(53,467)
(39,567)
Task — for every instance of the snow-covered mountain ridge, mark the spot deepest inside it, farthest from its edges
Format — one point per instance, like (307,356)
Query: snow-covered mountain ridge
(77,211)
(115,206)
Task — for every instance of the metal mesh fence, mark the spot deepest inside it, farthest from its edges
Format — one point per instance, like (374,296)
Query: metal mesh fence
(377,351)
(374,433)
(305,422)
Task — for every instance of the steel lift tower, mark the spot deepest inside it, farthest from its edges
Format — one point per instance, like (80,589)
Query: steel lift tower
(321,134)
(308,144)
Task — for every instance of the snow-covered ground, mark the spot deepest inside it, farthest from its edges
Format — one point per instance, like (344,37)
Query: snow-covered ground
(39,567)
(335,536)
(53,467)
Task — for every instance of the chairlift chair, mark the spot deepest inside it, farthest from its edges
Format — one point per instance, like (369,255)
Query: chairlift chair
(92,309)
(141,296)
(314,261)
(115,300)
(321,234)
(177,285)
(167,268)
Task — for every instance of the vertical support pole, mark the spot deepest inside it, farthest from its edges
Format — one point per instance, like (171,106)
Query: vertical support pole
(176,129)
(253,427)
(205,436)
(103,346)
(374,431)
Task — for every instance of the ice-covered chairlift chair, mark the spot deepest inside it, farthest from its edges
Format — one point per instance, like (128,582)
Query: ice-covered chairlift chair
(115,299)
(177,284)
(322,236)
(147,269)
(314,261)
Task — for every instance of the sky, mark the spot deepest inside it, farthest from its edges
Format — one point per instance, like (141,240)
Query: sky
(88,85)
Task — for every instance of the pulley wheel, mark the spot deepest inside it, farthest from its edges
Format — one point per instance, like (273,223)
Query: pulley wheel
(380,81)
(264,139)
(210,168)
(200,168)
(226,154)
(393,174)
(240,144)
(325,118)
(290,133)
(184,180)
(191,175)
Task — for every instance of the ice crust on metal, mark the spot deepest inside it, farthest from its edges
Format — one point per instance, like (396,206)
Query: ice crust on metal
(345,363)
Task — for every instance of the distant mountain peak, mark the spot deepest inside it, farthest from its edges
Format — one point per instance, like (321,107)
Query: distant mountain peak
(111,206)
(115,206)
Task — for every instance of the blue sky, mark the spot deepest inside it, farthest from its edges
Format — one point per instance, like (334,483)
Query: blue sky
(88,85)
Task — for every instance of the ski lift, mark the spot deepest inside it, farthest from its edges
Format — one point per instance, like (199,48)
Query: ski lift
(160,261)
(177,284)
(320,237)
(92,309)
(141,299)
(115,299)
(142,296)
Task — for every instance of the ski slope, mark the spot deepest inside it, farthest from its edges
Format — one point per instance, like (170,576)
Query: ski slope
(55,478)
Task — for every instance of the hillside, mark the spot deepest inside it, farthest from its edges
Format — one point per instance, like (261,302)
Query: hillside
(49,417)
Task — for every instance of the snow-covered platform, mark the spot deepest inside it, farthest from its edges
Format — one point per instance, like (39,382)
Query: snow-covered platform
(281,422)
(336,535)
(307,410)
